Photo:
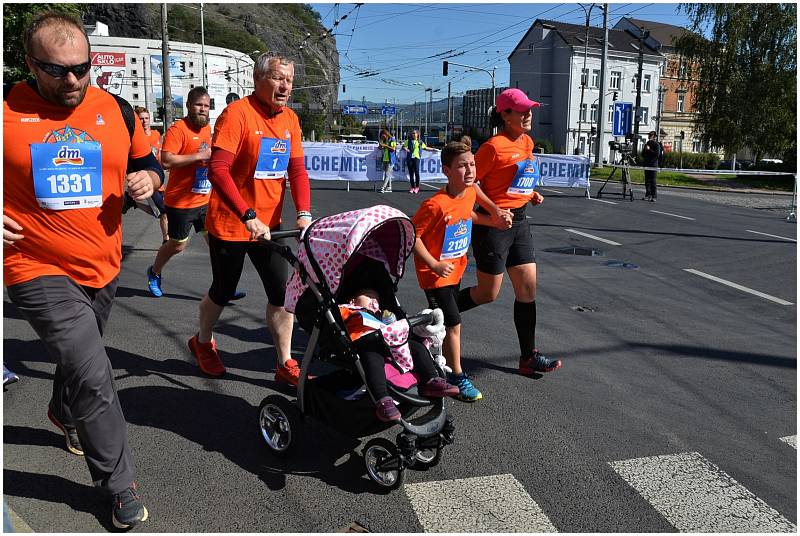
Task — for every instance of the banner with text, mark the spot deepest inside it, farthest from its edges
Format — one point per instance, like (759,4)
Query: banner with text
(364,162)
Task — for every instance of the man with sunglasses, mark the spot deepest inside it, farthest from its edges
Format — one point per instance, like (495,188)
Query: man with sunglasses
(68,156)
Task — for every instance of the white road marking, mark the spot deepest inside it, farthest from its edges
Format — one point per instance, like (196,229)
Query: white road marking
(496,503)
(549,190)
(772,235)
(738,287)
(604,201)
(791,440)
(694,495)
(673,215)
(587,235)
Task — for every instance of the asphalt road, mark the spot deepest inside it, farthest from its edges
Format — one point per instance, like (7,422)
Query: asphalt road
(675,409)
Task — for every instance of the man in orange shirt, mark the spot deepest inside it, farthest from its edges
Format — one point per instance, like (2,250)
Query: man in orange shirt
(257,144)
(66,150)
(186,150)
(154,137)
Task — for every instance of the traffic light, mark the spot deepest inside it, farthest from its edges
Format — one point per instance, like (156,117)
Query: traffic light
(614,97)
(160,113)
(593,132)
(444,68)
(228,74)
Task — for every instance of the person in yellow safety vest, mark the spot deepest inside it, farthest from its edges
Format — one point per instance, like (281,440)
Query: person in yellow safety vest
(387,146)
(414,149)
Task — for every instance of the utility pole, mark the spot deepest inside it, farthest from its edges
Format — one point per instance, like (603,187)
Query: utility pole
(449,112)
(601,106)
(203,48)
(637,116)
(166,92)
(584,73)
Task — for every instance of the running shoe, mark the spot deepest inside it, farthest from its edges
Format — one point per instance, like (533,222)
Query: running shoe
(9,377)
(207,357)
(537,363)
(288,373)
(70,433)
(386,410)
(127,509)
(438,388)
(466,391)
(154,283)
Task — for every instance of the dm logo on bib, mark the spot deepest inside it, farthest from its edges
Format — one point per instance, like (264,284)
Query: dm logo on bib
(67,156)
(461,230)
(279,147)
(530,168)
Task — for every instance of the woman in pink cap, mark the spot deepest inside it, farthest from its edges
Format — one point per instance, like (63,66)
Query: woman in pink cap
(508,173)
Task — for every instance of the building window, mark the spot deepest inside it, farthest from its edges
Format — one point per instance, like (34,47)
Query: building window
(183,66)
(584,76)
(133,72)
(582,145)
(616,78)
(645,111)
(596,78)
(134,84)
(682,70)
(646,83)
(133,60)
(135,96)
(610,117)
(593,114)
(677,144)
(191,64)
(582,115)
(661,69)
(681,100)
(696,146)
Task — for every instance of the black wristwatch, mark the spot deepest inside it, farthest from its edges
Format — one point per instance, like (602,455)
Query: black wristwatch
(248,215)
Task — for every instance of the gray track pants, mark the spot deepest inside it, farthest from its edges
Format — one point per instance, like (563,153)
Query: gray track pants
(69,320)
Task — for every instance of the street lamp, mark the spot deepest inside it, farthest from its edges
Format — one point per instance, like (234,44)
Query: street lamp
(584,73)
(431,91)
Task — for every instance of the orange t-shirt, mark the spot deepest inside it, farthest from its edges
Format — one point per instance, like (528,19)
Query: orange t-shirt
(245,130)
(184,189)
(497,162)
(155,143)
(82,243)
(444,223)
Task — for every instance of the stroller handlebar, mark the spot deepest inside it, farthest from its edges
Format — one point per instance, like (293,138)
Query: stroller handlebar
(277,235)
(420,320)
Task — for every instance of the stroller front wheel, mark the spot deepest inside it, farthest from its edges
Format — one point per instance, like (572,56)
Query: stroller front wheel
(280,424)
(383,462)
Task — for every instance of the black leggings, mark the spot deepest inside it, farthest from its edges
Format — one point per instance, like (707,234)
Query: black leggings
(372,360)
(413,170)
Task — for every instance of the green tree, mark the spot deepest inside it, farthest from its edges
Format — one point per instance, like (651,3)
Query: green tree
(743,70)
(15,19)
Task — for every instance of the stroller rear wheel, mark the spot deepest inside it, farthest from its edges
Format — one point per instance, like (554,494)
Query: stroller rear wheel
(427,458)
(280,424)
(383,462)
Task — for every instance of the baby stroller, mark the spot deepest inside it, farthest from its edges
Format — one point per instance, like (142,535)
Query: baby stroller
(337,255)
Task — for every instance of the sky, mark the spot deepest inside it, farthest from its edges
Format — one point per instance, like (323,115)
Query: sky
(405,44)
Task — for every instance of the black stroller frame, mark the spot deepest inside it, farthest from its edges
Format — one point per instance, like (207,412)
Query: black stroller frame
(418,446)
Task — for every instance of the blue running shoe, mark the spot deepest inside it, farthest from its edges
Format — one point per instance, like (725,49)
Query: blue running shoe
(466,391)
(154,283)
(9,377)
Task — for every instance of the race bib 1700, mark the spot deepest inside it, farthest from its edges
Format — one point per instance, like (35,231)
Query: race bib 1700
(67,176)
(526,178)
(273,159)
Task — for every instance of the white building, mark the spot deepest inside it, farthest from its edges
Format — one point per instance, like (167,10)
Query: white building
(547,64)
(131,68)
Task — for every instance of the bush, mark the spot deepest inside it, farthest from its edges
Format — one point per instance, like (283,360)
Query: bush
(672,159)
(546,145)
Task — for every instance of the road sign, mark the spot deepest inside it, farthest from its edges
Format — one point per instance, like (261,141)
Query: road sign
(389,110)
(623,118)
(354,109)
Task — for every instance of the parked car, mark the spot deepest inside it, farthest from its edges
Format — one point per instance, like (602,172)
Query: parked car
(770,161)
(727,164)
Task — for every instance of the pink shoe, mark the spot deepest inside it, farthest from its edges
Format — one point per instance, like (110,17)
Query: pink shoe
(386,410)
(438,388)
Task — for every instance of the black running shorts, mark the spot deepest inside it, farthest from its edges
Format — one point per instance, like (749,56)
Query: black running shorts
(496,250)
(446,299)
(181,220)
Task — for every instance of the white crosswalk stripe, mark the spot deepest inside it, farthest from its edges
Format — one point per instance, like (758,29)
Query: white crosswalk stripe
(696,496)
(496,503)
(791,440)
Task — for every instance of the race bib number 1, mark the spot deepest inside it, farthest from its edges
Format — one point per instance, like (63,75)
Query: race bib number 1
(273,159)
(456,240)
(67,176)
(526,179)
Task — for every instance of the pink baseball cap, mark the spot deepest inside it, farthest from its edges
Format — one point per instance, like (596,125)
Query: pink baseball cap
(516,100)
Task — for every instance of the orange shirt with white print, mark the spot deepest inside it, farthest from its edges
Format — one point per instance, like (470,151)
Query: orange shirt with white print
(497,163)
(246,130)
(83,243)
(185,189)
(432,219)
(155,146)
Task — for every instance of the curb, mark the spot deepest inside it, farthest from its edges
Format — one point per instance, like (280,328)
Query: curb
(17,522)
(714,189)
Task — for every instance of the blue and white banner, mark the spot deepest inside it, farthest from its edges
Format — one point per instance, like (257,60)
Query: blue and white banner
(364,162)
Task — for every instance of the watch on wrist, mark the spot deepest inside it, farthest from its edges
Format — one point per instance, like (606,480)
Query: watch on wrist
(248,215)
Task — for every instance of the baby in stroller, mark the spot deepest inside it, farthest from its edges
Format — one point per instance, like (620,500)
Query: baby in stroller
(366,323)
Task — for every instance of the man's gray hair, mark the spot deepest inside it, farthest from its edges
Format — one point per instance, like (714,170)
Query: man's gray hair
(266,63)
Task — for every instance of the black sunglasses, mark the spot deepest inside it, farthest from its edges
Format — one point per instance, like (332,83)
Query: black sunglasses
(60,71)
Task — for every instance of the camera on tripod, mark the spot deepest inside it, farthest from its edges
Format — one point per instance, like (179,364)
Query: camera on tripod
(621,147)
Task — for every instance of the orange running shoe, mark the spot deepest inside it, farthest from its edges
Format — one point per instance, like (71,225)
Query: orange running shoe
(207,357)
(289,373)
